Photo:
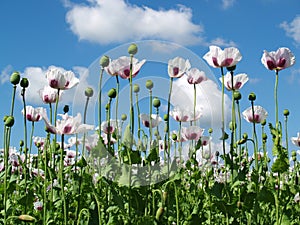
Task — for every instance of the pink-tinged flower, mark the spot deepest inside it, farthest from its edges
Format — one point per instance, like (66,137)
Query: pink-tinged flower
(67,125)
(69,159)
(111,127)
(121,67)
(105,139)
(38,173)
(296,140)
(38,205)
(91,141)
(238,81)
(278,60)
(48,94)
(34,114)
(62,80)
(216,57)
(184,115)
(178,66)
(195,76)
(205,140)
(260,114)
(192,132)
(178,139)
(155,120)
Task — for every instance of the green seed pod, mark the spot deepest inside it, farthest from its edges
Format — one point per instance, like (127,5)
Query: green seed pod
(104,61)
(263,122)
(132,49)
(217,153)
(112,93)
(15,78)
(123,117)
(4,118)
(89,92)
(245,136)
(166,117)
(264,136)
(24,83)
(210,130)
(294,153)
(136,88)
(149,84)
(21,143)
(252,96)
(156,102)
(286,112)
(9,122)
(237,95)
(174,137)
(232,126)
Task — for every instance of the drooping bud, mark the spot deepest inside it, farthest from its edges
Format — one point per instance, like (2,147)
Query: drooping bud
(15,78)
(159,213)
(89,92)
(26,218)
(132,49)
(104,61)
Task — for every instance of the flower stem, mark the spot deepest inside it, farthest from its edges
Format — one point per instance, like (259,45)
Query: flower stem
(99,97)
(64,206)
(276,99)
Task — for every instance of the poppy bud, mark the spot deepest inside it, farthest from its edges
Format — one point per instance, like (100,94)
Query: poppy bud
(263,122)
(264,136)
(159,213)
(132,49)
(4,118)
(166,117)
(15,78)
(149,84)
(21,143)
(286,112)
(9,122)
(89,92)
(123,117)
(210,130)
(245,136)
(156,102)
(112,93)
(66,109)
(217,153)
(136,88)
(231,68)
(104,61)
(252,96)
(174,137)
(24,83)
(294,153)
(26,218)
(237,95)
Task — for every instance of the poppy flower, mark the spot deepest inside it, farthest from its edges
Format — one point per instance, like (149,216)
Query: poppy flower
(62,80)
(278,60)
(178,66)
(260,114)
(238,81)
(195,76)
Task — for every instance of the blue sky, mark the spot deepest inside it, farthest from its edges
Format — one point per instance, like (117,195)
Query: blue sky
(74,34)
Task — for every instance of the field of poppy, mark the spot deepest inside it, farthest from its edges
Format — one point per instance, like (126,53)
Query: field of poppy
(125,170)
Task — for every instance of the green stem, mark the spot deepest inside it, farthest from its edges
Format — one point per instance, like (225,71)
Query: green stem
(276,99)
(177,203)
(99,97)
(195,102)
(131,100)
(64,206)
(138,112)
(168,115)
(84,121)
(117,106)
(223,119)
(254,138)
(150,117)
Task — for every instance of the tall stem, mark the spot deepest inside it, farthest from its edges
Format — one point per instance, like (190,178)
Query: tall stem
(64,206)
(276,99)
(223,118)
(99,97)
(254,138)
(168,115)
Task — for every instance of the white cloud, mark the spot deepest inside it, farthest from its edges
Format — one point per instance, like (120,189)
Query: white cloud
(208,98)
(5,74)
(37,80)
(222,42)
(227,3)
(116,21)
(292,29)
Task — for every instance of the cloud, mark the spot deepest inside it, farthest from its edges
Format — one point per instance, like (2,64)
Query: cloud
(292,29)
(37,80)
(208,98)
(227,3)
(117,21)
(222,42)
(5,74)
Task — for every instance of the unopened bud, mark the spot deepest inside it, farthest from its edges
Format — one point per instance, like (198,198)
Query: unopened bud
(15,78)
(132,49)
(104,61)
(89,92)
(24,83)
